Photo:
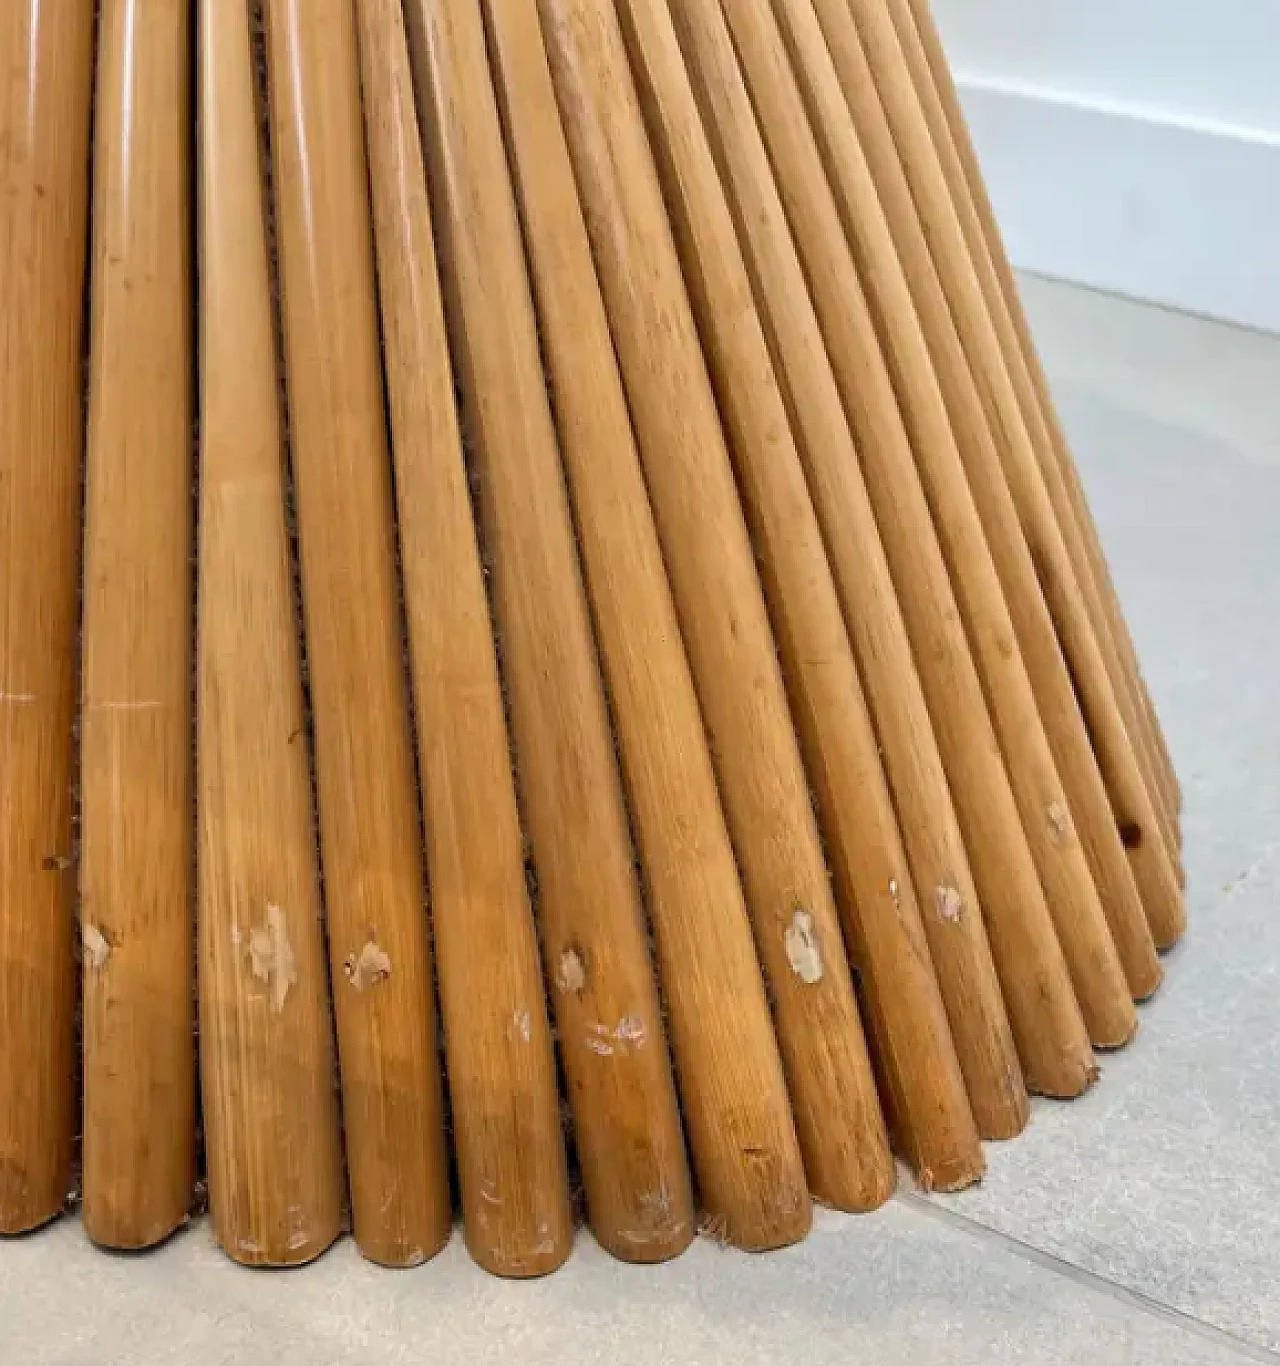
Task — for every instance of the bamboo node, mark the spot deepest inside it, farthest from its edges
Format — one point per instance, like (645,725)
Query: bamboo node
(803,950)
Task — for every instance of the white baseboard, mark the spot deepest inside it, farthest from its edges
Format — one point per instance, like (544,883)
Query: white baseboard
(1179,212)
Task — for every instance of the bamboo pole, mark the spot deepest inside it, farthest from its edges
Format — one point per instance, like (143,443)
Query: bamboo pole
(991,567)
(136,781)
(921,573)
(717,594)
(272,1145)
(1052,1041)
(501,1067)
(950,137)
(697,905)
(931,242)
(836,732)
(46,90)
(633,604)
(380,958)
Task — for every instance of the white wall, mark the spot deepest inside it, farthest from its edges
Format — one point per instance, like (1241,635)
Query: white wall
(1132,144)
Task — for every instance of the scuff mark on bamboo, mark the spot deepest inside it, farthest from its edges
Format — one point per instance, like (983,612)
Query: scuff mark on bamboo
(271,957)
(804,953)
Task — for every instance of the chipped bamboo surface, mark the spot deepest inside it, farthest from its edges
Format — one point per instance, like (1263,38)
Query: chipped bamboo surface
(501,1068)
(664,752)
(1050,1034)
(1082,926)
(836,732)
(696,903)
(950,141)
(136,779)
(380,959)
(714,581)
(933,82)
(46,91)
(272,1147)
(923,218)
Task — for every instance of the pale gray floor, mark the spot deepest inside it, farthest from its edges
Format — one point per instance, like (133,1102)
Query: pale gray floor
(1141,1225)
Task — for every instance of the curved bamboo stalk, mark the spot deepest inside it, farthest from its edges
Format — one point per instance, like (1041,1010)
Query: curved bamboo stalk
(272,1146)
(135,733)
(46,92)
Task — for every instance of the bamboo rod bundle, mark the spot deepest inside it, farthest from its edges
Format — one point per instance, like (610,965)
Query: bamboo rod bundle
(379,951)
(272,1146)
(135,741)
(959,467)
(675,412)
(1052,1042)
(932,76)
(698,631)
(46,84)
(834,725)
(511,1159)
(871,64)
(851,1168)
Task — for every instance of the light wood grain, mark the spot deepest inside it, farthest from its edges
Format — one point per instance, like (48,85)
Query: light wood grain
(272,1146)
(46,91)
(501,1068)
(1046,1022)
(930,240)
(380,959)
(957,463)
(136,780)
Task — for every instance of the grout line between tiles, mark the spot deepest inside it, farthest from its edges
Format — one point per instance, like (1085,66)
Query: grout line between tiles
(1134,1299)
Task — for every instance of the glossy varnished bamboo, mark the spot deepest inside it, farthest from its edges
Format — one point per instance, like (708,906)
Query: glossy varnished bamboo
(501,1069)
(1050,1034)
(721,606)
(136,750)
(941,438)
(46,80)
(1039,413)
(664,751)
(835,729)
(380,961)
(923,217)
(272,1148)
(696,902)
